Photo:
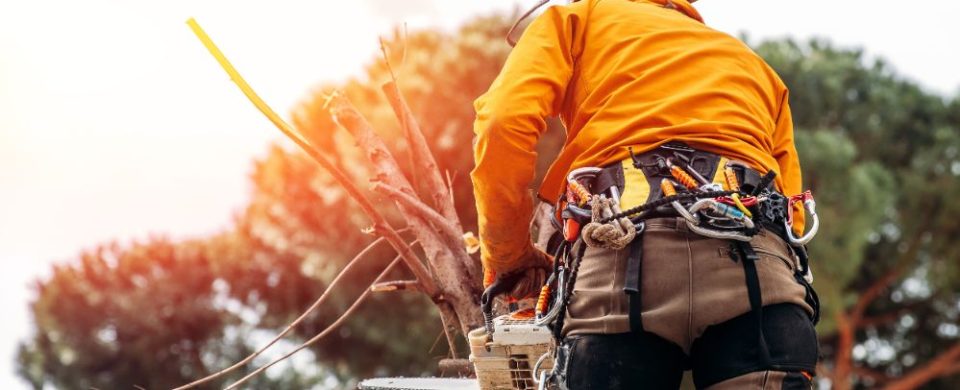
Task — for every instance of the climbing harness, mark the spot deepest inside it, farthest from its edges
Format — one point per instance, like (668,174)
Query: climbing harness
(735,206)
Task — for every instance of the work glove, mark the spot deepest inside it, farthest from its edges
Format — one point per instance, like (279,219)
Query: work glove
(524,281)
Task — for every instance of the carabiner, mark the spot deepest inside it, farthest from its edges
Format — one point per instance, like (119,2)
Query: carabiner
(722,209)
(687,215)
(811,206)
(541,379)
(723,235)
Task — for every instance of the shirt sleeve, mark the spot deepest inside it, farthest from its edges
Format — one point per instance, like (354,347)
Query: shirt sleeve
(511,116)
(785,151)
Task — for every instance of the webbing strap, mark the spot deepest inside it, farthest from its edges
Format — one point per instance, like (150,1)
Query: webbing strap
(749,258)
(631,285)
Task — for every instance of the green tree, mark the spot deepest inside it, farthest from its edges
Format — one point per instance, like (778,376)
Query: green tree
(880,153)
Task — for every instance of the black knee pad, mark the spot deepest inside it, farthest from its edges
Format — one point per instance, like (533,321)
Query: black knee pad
(733,348)
(627,361)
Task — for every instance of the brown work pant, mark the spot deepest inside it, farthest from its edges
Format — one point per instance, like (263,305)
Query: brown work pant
(688,283)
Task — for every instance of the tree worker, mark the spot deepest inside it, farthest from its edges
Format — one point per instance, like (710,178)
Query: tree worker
(659,103)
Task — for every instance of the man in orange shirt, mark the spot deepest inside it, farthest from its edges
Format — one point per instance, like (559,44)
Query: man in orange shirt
(652,101)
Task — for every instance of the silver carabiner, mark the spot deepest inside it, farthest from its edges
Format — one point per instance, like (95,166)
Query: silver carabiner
(580,173)
(811,206)
(541,379)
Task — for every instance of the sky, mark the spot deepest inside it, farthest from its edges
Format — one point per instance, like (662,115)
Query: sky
(115,123)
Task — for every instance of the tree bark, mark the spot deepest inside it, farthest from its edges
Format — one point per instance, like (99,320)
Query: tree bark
(426,164)
(844,359)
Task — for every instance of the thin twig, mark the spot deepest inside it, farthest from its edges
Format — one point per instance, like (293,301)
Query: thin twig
(330,328)
(396,285)
(316,304)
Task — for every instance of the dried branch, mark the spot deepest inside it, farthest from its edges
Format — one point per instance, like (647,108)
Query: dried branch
(330,328)
(944,364)
(393,76)
(316,304)
(422,157)
(450,234)
(441,198)
(380,223)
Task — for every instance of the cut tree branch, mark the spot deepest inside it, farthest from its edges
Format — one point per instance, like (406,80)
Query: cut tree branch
(422,156)
(380,223)
(456,272)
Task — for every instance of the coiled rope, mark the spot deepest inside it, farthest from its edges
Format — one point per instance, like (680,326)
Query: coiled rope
(616,233)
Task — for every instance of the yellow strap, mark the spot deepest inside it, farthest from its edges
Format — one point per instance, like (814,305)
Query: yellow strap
(636,190)
(237,79)
(718,177)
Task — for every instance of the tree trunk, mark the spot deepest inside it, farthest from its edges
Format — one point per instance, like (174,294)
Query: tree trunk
(844,357)
(453,268)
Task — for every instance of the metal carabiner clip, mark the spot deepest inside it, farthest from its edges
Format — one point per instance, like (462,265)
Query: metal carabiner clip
(724,209)
(811,206)
(541,377)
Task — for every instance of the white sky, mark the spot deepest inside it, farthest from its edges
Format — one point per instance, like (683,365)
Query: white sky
(115,123)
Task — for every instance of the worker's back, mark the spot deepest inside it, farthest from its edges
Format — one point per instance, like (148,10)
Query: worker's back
(644,294)
(622,74)
(644,73)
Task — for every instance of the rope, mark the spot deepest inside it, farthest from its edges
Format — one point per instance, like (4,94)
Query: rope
(666,200)
(615,234)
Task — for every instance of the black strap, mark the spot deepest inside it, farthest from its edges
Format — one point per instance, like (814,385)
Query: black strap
(610,176)
(749,258)
(811,296)
(631,285)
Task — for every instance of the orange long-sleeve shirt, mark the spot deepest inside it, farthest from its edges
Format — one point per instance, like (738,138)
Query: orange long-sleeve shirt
(619,73)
